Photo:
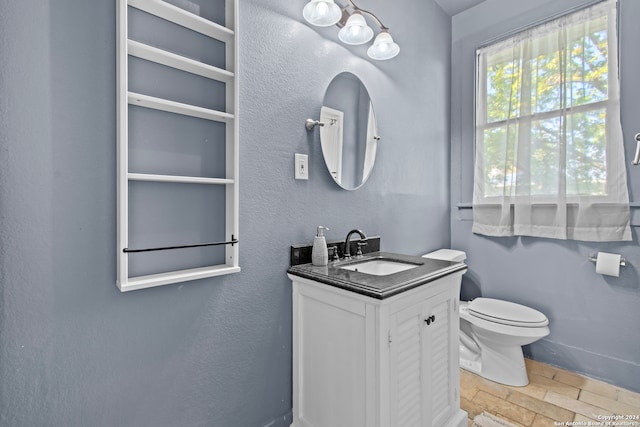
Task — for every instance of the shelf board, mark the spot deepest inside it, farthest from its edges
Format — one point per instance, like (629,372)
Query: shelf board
(172,60)
(177,179)
(183,18)
(152,280)
(152,102)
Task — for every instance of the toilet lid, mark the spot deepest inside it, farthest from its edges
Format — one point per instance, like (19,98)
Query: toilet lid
(507,313)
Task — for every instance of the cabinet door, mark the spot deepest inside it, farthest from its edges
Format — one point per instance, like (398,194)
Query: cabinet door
(407,367)
(420,363)
(333,339)
(442,359)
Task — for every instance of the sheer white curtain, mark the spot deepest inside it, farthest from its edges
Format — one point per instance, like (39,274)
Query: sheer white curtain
(549,149)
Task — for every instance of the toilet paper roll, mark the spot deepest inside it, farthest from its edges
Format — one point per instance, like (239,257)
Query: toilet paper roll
(608,264)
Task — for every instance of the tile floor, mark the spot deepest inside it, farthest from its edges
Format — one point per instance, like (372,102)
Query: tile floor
(554,397)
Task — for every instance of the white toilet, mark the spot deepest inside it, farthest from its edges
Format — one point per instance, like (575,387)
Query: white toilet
(493,331)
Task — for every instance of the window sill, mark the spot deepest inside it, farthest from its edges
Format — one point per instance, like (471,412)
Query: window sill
(460,206)
(465,212)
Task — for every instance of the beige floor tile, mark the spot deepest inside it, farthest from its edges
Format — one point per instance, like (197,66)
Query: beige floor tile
(541,369)
(584,383)
(629,397)
(547,384)
(570,378)
(617,407)
(542,421)
(470,380)
(553,396)
(468,393)
(533,389)
(541,407)
(582,419)
(510,421)
(468,385)
(575,405)
(497,406)
(472,408)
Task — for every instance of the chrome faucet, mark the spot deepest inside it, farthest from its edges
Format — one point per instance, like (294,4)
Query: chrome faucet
(347,249)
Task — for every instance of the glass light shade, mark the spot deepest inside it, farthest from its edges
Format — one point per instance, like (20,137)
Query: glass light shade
(355,31)
(383,47)
(322,13)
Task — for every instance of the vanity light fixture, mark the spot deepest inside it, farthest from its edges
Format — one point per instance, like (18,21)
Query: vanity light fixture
(354,29)
(322,13)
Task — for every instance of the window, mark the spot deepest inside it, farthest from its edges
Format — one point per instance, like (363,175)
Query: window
(548,136)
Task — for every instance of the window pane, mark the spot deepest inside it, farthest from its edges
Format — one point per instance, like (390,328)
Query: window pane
(503,90)
(545,148)
(587,59)
(563,69)
(586,168)
(586,153)
(499,157)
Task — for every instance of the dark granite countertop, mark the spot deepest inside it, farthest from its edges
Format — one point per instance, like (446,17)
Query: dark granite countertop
(379,287)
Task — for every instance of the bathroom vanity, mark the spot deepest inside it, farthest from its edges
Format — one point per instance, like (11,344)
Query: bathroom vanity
(375,342)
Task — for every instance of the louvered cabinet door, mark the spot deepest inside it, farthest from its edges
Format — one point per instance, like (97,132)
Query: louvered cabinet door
(440,390)
(420,363)
(407,367)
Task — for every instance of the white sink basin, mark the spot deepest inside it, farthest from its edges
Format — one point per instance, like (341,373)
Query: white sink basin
(379,267)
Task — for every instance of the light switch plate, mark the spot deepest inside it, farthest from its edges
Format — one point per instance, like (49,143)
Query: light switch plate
(302,166)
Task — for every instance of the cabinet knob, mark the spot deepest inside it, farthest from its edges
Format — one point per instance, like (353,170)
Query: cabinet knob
(430,319)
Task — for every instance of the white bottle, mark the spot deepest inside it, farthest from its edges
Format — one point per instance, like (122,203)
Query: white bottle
(319,252)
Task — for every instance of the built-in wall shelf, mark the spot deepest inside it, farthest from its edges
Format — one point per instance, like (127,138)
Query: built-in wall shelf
(177,142)
(152,280)
(169,59)
(177,107)
(174,178)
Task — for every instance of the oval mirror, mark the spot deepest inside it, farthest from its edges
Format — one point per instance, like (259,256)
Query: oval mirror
(349,134)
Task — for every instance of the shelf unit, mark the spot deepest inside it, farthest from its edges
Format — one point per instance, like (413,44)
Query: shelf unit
(127,48)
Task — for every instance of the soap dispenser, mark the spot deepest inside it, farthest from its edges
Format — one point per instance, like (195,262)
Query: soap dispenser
(319,253)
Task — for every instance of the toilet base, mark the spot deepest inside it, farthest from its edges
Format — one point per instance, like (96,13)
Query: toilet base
(470,366)
(504,365)
(469,360)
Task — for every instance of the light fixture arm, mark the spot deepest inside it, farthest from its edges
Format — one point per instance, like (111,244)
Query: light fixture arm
(355,7)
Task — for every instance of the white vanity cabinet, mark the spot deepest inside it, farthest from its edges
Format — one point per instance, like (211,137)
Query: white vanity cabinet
(360,361)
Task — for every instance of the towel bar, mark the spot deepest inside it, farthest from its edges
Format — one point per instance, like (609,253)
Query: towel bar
(232,242)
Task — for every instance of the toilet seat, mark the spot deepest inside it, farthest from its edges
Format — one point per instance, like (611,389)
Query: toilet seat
(506,313)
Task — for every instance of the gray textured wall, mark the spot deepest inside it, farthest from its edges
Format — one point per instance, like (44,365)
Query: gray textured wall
(593,319)
(74,351)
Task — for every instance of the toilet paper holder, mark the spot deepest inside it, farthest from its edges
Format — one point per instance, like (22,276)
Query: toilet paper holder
(594,258)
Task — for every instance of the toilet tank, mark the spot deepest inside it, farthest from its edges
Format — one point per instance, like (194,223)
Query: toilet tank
(447,255)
